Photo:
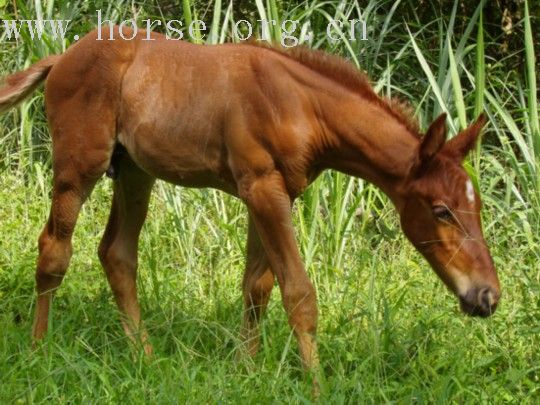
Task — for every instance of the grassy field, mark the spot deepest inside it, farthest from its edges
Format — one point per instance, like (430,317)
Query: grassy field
(389,331)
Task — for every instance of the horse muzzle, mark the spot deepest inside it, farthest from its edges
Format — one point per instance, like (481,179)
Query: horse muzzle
(480,301)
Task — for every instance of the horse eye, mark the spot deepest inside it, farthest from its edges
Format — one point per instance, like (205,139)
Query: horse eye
(442,213)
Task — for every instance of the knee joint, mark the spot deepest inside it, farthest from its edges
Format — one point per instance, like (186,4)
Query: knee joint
(263,286)
(259,286)
(112,258)
(53,258)
(298,293)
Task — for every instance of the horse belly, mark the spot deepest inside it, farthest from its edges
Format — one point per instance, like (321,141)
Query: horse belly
(181,145)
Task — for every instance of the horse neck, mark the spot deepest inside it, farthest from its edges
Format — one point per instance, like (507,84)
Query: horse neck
(364,140)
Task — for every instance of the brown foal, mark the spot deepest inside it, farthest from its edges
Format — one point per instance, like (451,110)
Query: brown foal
(255,122)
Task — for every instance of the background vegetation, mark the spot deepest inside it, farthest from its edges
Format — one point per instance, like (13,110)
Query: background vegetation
(389,331)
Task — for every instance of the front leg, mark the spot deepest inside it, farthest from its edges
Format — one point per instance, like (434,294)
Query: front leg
(270,208)
(257,287)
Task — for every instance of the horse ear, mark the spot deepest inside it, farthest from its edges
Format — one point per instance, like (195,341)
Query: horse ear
(434,139)
(460,145)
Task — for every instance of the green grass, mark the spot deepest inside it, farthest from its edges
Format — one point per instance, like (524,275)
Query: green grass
(389,331)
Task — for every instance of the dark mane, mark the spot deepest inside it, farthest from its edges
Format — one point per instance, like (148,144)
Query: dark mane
(345,73)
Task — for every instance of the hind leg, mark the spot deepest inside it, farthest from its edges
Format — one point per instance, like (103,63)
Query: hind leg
(82,105)
(72,184)
(55,245)
(118,247)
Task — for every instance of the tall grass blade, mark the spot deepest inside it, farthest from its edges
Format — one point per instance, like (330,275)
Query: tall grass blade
(531,82)
(429,74)
(480,75)
(214,29)
(456,85)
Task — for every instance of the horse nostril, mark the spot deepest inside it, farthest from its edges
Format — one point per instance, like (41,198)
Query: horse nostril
(487,299)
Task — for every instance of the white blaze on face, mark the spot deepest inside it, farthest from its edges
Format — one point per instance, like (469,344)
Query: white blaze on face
(469,191)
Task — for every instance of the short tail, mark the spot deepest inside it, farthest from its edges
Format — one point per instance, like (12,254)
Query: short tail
(19,85)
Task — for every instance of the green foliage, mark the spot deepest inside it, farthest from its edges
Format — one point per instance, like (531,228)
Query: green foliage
(389,332)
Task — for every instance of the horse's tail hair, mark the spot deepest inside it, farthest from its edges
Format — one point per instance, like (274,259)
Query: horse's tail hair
(17,86)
